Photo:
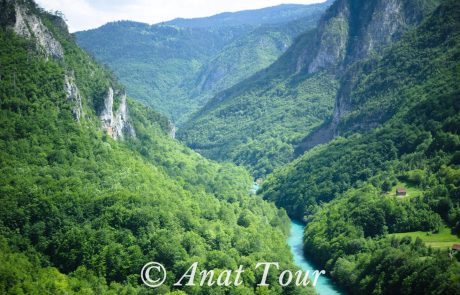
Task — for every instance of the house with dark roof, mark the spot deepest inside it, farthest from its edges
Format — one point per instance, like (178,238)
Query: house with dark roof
(400,191)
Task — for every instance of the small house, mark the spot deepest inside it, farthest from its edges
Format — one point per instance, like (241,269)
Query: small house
(456,247)
(401,191)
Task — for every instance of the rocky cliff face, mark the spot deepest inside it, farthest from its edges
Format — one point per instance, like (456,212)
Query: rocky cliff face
(349,31)
(332,39)
(73,96)
(27,20)
(352,29)
(30,26)
(116,123)
(172,130)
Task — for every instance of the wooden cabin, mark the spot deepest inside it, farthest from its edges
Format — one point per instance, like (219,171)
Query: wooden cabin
(400,191)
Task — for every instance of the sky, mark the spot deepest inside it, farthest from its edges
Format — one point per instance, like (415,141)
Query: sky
(89,14)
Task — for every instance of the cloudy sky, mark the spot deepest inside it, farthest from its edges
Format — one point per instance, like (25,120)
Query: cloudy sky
(88,14)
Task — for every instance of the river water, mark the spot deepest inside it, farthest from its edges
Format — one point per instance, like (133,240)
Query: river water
(324,286)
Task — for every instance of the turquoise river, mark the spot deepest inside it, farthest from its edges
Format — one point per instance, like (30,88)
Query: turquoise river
(324,286)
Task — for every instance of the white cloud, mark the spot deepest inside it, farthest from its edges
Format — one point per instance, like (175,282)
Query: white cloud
(87,14)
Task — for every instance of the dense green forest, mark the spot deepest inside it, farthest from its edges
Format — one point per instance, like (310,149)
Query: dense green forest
(259,121)
(82,212)
(177,66)
(414,86)
(416,70)
(256,122)
(337,109)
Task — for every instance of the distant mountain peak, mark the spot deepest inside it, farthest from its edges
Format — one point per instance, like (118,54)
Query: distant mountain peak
(254,17)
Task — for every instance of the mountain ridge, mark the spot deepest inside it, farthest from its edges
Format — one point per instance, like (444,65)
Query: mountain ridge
(310,71)
(390,33)
(247,16)
(176,68)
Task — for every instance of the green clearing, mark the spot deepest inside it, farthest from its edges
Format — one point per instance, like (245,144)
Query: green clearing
(443,239)
(412,191)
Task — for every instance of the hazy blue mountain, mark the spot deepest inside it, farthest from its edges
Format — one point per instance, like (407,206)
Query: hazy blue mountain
(265,16)
(177,66)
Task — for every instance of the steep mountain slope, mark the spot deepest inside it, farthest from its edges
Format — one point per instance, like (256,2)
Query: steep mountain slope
(93,187)
(246,56)
(413,92)
(178,65)
(357,29)
(259,122)
(414,70)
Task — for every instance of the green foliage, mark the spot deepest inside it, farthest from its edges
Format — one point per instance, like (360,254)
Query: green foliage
(440,239)
(423,64)
(21,273)
(419,136)
(154,61)
(413,90)
(295,104)
(82,213)
(338,236)
(177,66)
(259,123)
(258,17)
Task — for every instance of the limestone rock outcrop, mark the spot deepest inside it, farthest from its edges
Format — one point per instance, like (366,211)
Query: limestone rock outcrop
(116,123)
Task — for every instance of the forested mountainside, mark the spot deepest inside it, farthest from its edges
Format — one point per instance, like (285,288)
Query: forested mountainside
(177,66)
(93,187)
(372,240)
(283,13)
(260,122)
